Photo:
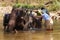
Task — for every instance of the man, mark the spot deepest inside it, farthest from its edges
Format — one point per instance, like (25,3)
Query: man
(5,21)
(47,18)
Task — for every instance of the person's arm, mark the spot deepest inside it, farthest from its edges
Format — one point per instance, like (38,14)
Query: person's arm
(37,16)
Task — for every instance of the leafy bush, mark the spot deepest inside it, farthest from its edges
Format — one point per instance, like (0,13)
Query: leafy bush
(52,7)
(17,5)
(28,6)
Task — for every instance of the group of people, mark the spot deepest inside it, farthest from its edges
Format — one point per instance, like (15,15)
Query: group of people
(21,19)
(48,19)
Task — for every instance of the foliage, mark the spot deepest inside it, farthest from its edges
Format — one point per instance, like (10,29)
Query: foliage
(28,6)
(17,5)
(54,6)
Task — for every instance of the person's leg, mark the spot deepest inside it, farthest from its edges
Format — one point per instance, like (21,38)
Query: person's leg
(4,28)
(4,25)
(51,27)
(39,24)
(47,25)
(34,23)
(7,28)
(51,24)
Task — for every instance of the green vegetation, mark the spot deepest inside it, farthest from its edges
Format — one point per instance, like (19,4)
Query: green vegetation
(55,5)
(17,5)
(28,6)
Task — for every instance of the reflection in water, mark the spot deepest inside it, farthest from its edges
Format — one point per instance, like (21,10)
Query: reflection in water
(18,36)
(28,35)
(51,37)
(48,36)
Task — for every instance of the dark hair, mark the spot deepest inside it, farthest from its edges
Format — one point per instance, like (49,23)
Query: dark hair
(42,8)
(13,9)
(47,12)
(26,10)
(45,9)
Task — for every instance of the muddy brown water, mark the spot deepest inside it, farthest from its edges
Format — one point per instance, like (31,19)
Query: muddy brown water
(30,35)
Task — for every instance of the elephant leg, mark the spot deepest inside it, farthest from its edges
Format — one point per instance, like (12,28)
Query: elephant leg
(11,25)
